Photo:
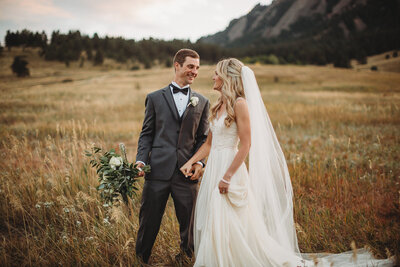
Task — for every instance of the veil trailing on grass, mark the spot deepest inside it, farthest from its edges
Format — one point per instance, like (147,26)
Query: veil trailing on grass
(272,189)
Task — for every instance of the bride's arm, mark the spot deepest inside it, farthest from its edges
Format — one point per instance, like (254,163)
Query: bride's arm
(244,133)
(203,152)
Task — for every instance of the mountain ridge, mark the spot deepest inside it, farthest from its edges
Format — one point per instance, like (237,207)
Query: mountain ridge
(270,21)
(324,28)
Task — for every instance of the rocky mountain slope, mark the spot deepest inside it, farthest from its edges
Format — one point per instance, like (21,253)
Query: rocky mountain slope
(293,19)
(313,31)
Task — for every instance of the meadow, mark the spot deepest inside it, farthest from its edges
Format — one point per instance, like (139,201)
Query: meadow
(339,130)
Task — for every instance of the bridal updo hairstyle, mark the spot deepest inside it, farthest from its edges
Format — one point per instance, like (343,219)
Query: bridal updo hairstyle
(230,72)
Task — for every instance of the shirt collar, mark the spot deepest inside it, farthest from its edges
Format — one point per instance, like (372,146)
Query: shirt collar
(175,84)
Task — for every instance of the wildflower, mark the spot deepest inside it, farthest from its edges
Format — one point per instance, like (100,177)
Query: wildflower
(90,238)
(78,223)
(66,210)
(48,204)
(106,221)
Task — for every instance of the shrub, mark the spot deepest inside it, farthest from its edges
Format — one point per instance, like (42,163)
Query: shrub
(19,66)
(135,67)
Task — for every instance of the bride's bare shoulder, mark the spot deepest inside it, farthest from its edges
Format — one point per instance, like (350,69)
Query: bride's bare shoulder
(240,99)
(240,106)
(240,102)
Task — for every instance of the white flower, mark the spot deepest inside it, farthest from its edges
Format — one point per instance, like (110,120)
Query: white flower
(115,162)
(194,100)
(48,204)
(106,221)
(90,238)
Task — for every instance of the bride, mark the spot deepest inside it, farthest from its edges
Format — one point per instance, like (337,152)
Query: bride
(245,218)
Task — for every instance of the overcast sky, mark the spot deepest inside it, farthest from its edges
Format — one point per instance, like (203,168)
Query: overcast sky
(136,19)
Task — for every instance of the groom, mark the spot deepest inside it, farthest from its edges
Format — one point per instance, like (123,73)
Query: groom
(175,126)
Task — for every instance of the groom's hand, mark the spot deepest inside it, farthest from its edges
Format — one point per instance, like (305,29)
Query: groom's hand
(196,170)
(139,166)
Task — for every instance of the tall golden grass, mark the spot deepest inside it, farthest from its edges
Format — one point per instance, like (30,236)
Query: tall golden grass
(339,130)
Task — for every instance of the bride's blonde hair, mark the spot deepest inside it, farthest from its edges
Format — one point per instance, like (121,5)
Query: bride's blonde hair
(229,70)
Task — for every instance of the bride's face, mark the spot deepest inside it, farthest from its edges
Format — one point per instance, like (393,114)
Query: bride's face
(217,82)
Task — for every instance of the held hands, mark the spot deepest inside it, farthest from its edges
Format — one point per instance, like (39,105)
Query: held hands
(193,171)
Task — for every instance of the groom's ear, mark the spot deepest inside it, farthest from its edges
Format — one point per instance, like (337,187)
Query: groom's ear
(176,64)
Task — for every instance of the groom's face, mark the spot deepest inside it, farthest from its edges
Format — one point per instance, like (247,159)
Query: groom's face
(188,71)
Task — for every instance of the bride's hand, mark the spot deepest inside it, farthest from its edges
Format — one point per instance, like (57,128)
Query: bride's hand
(223,187)
(186,169)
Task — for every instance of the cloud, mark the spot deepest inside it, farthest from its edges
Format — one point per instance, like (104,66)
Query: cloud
(30,10)
(166,19)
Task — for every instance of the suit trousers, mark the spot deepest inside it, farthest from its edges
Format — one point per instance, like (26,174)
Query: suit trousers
(154,199)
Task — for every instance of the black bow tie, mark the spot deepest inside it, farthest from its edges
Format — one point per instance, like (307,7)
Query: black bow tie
(177,90)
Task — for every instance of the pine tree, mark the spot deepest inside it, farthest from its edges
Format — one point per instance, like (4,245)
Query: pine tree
(99,58)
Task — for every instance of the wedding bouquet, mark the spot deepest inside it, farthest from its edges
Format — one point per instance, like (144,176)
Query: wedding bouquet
(116,175)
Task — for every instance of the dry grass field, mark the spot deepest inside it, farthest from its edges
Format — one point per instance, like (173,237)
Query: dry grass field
(339,130)
(387,61)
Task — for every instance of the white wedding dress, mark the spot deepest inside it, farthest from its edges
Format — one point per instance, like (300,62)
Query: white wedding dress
(228,231)
(232,229)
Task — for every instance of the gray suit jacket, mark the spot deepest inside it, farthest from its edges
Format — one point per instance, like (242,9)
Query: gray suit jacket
(166,140)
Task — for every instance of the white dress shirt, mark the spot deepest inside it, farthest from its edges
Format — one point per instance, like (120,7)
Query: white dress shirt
(181,100)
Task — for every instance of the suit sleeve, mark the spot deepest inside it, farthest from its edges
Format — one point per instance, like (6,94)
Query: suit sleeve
(202,130)
(147,134)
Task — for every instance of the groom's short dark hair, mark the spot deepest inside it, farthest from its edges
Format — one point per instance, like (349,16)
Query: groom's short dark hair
(181,55)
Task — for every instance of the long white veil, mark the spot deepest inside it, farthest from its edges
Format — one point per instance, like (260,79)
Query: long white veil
(269,175)
(271,186)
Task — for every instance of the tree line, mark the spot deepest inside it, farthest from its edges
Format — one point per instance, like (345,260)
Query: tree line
(74,46)
(311,40)
(26,38)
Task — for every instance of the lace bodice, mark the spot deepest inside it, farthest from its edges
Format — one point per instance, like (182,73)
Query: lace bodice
(222,136)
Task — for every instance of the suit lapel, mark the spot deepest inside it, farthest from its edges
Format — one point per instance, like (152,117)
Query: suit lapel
(171,103)
(187,105)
